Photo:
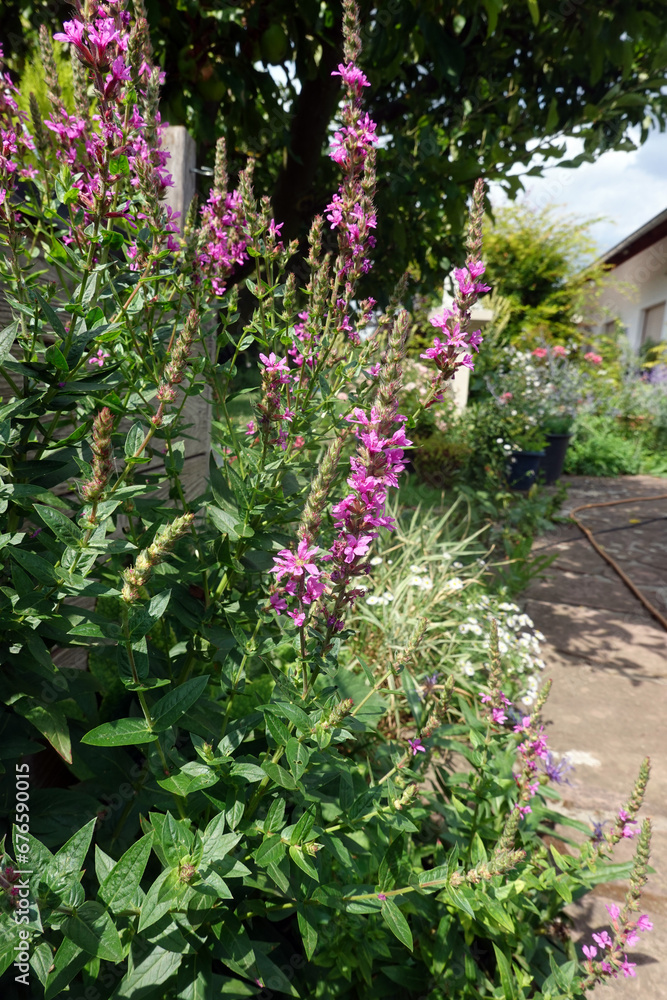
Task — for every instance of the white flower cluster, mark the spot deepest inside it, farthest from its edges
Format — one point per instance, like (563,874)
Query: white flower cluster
(518,642)
(419,578)
(385,598)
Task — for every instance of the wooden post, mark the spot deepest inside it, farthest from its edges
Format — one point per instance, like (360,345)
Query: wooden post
(197,411)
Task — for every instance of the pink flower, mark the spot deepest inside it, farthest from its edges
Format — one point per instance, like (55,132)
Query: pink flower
(298,616)
(644,924)
(539,352)
(628,968)
(278,603)
(99,358)
(613,912)
(274,364)
(294,563)
(603,940)
(590,951)
(498,715)
(352,76)
(631,937)
(382,895)
(559,351)
(416,746)
(523,811)
(595,359)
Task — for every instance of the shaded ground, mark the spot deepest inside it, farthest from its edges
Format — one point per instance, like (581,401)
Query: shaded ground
(608,660)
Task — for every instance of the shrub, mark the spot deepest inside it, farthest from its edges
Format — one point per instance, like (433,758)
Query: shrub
(599,449)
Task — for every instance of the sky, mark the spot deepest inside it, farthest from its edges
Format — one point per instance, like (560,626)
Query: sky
(627,189)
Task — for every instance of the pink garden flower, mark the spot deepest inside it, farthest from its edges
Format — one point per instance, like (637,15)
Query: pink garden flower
(539,352)
(595,359)
(99,358)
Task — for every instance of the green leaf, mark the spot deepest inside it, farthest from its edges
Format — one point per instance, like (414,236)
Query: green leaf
(120,733)
(68,961)
(50,313)
(534,9)
(294,714)
(155,969)
(270,851)
(276,728)
(304,862)
(397,923)
(41,961)
(308,930)
(7,338)
(190,778)
(50,721)
(279,775)
(92,929)
(303,827)
(275,816)
(506,978)
(55,357)
(224,522)
(134,439)
(71,856)
(217,844)
(249,772)
(123,880)
(103,864)
(298,757)
(61,526)
(172,706)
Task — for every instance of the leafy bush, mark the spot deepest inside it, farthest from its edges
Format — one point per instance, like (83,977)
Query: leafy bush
(599,449)
(210,801)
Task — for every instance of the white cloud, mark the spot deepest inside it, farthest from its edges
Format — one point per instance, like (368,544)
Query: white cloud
(626,189)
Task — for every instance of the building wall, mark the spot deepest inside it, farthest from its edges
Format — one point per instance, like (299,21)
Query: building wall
(636,285)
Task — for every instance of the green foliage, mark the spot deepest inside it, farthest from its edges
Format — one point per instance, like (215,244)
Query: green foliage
(540,266)
(439,458)
(598,448)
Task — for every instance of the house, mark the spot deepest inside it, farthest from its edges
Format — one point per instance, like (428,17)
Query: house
(635,290)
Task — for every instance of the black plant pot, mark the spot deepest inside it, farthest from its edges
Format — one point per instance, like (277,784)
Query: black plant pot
(523,468)
(554,457)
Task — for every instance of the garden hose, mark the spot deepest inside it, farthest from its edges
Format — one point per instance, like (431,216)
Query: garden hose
(612,562)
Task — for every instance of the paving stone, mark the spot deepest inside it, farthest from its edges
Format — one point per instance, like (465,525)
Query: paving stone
(608,660)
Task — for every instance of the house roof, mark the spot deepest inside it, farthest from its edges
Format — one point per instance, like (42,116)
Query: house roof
(648,234)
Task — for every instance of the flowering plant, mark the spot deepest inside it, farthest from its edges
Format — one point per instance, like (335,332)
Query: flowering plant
(213,807)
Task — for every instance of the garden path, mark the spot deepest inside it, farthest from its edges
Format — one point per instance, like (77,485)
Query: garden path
(608,660)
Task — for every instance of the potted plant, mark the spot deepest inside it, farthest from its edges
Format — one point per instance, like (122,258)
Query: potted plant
(526,458)
(557,431)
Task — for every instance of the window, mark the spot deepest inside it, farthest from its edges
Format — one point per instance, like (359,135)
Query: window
(652,324)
